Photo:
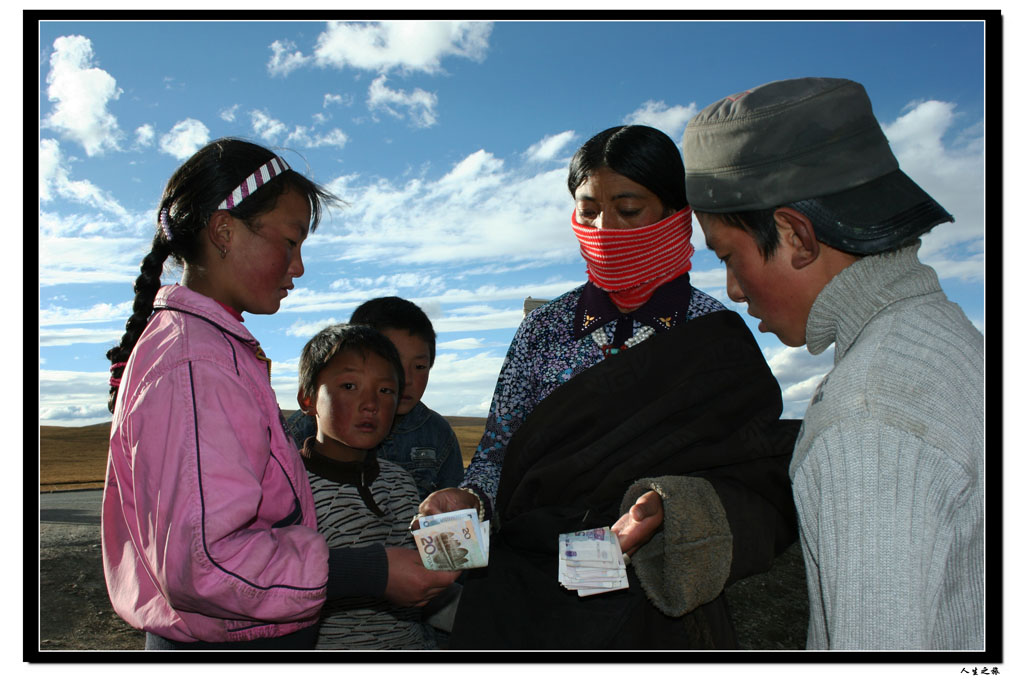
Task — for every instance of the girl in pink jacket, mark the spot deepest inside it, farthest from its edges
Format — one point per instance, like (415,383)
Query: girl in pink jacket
(208,524)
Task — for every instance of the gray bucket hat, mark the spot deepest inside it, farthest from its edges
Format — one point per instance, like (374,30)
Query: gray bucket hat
(810,143)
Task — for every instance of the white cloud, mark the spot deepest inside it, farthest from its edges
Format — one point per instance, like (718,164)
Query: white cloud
(791,365)
(462,217)
(460,385)
(302,136)
(450,309)
(479,167)
(419,105)
(70,398)
(549,147)
(798,373)
(88,260)
(267,127)
(270,129)
(517,291)
(305,330)
(185,138)
(285,58)
(229,113)
(951,169)
(79,335)
(669,120)
(964,267)
(479,319)
(391,284)
(405,45)
(100,312)
(144,135)
(332,138)
(708,279)
(55,183)
(483,217)
(340,100)
(81,93)
(467,343)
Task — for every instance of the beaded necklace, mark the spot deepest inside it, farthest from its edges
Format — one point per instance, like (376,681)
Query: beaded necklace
(604,341)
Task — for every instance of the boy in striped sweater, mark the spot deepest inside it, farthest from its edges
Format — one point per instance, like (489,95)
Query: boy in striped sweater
(350,381)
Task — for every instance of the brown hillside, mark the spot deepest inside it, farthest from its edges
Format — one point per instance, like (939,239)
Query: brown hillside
(73,457)
(76,457)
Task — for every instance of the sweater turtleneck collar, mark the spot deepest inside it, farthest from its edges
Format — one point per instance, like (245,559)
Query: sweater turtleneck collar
(360,474)
(860,291)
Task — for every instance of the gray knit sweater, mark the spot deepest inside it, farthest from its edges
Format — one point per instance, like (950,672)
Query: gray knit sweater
(888,470)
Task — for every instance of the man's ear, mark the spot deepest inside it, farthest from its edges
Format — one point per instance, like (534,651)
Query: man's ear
(797,231)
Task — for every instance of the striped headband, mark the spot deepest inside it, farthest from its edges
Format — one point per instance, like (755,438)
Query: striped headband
(263,174)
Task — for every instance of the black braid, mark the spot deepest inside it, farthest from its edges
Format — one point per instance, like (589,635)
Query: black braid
(146,286)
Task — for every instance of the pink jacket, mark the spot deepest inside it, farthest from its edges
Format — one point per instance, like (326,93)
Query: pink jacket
(209,527)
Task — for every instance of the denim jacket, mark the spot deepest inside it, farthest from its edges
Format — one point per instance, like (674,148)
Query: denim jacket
(422,442)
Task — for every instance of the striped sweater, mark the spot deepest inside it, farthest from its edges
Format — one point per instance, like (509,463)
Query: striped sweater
(888,470)
(345,521)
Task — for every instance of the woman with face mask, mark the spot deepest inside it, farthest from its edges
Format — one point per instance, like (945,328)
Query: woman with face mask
(637,402)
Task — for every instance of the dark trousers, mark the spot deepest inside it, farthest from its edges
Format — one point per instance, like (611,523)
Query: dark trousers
(301,639)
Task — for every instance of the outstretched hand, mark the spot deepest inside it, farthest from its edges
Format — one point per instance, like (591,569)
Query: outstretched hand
(640,523)
(409,583)
(446,500)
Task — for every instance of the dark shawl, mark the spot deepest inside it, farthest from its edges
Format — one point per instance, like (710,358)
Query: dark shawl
(698,401)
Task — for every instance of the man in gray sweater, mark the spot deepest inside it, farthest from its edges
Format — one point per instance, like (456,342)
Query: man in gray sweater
(800,196)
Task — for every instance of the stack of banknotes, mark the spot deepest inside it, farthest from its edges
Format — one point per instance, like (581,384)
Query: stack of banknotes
(453,541)
(591,562)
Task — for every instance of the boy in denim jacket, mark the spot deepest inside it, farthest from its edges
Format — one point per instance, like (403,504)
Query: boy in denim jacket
(421,441)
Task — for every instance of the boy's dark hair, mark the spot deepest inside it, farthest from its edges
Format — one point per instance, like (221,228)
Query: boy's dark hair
(645,155)
(392,312)
(191,197)
(758,223)
(337,338)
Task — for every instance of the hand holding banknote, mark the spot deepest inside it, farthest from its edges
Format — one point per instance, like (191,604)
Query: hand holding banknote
(454,540)
(446,500)
(640,523)
(591,562)
(410,583)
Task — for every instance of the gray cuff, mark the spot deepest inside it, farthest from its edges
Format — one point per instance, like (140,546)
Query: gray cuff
(687,562)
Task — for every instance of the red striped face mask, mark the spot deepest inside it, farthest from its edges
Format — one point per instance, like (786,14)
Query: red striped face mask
(630,263)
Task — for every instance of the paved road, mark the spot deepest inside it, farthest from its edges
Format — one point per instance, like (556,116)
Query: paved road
(78,507)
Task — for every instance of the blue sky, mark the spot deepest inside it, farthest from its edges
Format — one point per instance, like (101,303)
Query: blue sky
(450,144)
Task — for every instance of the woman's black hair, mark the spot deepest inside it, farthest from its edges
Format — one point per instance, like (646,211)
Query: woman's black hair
(645,155)
(189,200)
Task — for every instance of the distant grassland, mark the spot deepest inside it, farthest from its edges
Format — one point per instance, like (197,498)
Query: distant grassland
(76,457)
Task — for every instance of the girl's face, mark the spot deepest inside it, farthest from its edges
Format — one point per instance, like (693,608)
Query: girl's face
(266,260)
(354,405)
(608,200)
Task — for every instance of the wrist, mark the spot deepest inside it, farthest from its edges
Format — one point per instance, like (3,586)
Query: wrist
(481,508)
